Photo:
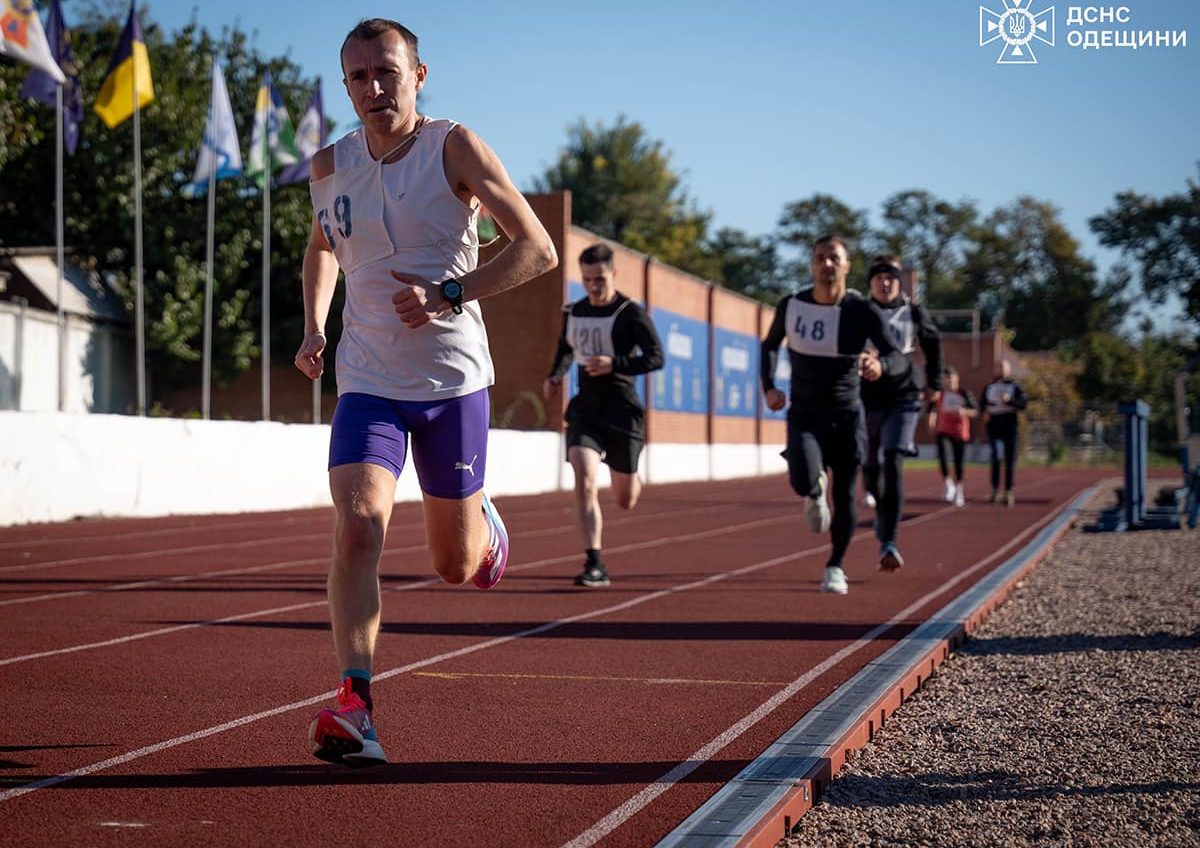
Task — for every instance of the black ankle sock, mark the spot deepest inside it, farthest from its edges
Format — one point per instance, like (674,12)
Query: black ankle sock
(361,687)
(593,556)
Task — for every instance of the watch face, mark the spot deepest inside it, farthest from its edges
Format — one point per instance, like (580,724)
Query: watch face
(452,289)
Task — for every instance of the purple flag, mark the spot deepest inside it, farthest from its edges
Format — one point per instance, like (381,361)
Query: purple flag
(40,86)
(310,137)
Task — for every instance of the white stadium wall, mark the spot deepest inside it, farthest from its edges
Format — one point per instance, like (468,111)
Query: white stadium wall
(56,466)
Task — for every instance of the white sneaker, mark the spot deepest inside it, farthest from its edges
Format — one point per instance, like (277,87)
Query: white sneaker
(817,508)
(960,496)
(948,490)
(835,580)
(869,500)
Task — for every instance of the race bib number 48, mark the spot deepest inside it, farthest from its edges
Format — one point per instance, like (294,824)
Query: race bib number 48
(812,328)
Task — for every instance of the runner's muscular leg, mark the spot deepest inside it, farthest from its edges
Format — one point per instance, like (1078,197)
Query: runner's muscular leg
(457,535)
(627,487)
(362,496)
(586,463)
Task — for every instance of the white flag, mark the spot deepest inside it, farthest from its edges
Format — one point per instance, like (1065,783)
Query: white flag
(219,150)
(22,37)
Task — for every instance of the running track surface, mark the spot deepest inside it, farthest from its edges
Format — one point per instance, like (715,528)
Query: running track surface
(159,675)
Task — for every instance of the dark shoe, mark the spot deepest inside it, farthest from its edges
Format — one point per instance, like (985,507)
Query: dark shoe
(889,557)
(593,576)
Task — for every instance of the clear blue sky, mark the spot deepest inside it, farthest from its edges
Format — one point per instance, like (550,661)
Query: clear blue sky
(761,103)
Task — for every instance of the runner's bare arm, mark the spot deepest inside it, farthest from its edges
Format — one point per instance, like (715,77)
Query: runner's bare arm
(320,272)
(473,170)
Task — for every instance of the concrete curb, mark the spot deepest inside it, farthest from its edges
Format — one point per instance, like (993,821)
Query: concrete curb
(762,803)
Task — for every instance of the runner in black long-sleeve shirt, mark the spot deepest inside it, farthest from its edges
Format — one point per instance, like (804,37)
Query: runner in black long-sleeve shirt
(893,403)
(613,340)
(826,328)
(1002,400)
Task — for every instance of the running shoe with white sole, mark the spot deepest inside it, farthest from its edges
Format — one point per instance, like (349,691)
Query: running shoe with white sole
(835,580)
(495,559)
(817,508)
(948,490)
(346,735)
(869,500)
(960,495)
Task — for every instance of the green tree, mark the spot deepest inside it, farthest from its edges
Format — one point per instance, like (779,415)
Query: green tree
(1023,264)
(1163,237)
(624,188)
(933,235)
(99,200)
(802,222)
(749,264)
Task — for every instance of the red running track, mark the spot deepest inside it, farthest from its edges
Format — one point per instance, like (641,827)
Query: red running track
(159,675)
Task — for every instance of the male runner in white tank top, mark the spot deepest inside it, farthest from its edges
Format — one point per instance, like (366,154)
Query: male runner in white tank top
(395,205)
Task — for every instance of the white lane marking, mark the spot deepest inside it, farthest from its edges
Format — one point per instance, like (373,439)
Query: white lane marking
(146,751)
(163,631)
(293,517)
(139,753)
(631,807)
(168,552)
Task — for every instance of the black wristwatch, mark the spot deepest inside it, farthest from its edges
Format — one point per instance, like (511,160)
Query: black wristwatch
(452,291)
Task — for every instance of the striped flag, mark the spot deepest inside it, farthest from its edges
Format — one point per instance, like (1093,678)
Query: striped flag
(310,137)
(128,71)
(273,144)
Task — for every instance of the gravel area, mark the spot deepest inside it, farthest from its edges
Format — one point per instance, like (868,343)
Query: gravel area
(1071,718)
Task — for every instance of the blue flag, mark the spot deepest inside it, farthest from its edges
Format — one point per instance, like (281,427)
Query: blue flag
(220,153)
(39,85)
(310,137)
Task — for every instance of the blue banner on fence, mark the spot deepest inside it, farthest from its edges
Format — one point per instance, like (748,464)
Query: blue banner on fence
(682,384)
(735,381)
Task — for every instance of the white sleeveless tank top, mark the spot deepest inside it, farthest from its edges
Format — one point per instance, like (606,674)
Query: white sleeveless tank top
(403,217)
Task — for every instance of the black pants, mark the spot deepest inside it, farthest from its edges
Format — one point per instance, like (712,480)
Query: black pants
(835,440)
(890,498)
(954,446)
(1003,441)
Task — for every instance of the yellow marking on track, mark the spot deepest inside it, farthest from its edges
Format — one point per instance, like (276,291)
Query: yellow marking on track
(460,675)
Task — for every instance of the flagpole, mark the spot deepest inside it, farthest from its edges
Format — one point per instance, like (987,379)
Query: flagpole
(60,250)
(206,390)
(137,249)
(266,288)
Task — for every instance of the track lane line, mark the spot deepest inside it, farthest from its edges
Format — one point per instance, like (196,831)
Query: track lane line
(219,546)
(429,581)
(232,724)
(290,516)
(634,805)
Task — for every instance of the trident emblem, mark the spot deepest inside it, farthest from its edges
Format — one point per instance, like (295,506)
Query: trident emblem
(1018,27)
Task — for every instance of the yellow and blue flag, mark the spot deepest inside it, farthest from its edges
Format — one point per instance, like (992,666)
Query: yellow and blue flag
(129,71)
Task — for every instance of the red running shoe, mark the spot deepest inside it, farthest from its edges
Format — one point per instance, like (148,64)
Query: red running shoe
(346,735)
(496,558)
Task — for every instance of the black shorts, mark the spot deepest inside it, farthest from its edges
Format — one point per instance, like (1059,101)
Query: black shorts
(616,431)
